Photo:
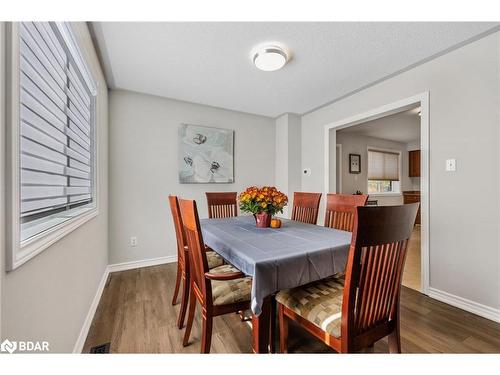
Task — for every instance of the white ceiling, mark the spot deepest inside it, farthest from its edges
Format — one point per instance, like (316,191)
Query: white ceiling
(209,63)
(401,127)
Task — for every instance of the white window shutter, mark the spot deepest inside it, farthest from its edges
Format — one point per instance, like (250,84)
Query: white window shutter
(56,129)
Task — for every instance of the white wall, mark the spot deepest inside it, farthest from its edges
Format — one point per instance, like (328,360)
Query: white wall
(2,164)
(281,153)
(48,297)
(353,143)
(464,124)
(143,167)
(288,156)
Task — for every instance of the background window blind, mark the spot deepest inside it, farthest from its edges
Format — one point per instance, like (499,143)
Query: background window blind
(383,166)
(56,130)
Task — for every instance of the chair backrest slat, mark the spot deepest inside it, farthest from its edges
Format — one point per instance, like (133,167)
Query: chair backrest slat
(341,209)
(179,228)
(196,246)
(306,207)
(221,204)
(375,267)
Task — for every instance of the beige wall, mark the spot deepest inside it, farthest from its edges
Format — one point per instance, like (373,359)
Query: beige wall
(143,167)
(48,297)
(464,124)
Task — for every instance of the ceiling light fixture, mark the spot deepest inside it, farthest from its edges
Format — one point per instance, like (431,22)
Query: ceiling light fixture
(270,58)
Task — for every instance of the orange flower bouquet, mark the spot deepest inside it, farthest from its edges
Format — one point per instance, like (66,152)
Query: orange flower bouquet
(263,203)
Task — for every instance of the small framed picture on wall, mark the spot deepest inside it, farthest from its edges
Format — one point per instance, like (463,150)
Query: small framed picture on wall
(354,163)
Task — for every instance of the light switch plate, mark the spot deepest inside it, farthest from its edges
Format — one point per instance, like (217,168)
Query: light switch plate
(133,241)
(451,165)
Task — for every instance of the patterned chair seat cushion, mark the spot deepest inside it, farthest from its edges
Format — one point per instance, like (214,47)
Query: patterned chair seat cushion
(319,302)
(214,259)
(230,291)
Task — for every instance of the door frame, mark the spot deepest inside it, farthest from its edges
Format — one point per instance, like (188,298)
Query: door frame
(421,99)
(339,147)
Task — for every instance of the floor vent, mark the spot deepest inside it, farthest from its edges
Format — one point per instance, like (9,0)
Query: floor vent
(100,349)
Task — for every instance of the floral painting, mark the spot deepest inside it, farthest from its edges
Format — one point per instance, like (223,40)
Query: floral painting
(205,155)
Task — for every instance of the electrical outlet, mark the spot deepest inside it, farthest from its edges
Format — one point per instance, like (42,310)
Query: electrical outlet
(133,241)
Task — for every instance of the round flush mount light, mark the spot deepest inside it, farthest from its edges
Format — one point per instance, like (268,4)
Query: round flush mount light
(270,58)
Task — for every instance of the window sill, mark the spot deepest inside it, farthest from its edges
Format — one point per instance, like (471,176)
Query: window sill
(34,246)
(385,195)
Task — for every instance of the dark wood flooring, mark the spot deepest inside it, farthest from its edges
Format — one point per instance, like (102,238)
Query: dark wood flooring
(135,315)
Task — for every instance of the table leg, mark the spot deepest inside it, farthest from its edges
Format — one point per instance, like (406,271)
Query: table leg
(261,327)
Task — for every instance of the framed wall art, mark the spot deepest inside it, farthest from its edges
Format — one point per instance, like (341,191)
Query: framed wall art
(206,155)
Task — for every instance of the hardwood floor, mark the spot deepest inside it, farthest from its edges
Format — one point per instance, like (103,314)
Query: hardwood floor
(135,315)
(412,271)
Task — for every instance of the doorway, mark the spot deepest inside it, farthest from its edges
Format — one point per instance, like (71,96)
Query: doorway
(382,191)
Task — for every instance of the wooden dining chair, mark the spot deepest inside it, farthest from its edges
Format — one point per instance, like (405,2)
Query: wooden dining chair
(220,290)
(221,204)
(183,270)
(341,209)
(353,313)
(306,207)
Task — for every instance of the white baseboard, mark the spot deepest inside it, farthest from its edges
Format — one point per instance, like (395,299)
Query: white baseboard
(90,315)
(141,263)
(465,304)
(100,288)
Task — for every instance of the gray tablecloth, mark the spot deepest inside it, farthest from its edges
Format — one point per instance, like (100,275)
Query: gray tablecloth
(277,259)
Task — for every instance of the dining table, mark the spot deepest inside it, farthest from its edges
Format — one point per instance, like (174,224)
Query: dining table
(276,258)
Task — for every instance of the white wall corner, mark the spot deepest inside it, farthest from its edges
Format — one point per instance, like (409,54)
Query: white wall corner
(288,158)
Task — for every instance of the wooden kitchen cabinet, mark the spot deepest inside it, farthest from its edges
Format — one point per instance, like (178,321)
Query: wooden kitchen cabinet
(412,197)
(414,163)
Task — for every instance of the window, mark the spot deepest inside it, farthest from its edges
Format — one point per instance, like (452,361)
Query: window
(53,136)
(383,172)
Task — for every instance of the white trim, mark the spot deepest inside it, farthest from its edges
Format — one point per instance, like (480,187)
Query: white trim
(339,146)
(80,342)
(141,263)
(388,194)
(90,315)
(48,238)
(466,304)
(386,110)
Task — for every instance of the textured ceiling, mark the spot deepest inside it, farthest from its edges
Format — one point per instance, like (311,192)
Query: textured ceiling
(209,63)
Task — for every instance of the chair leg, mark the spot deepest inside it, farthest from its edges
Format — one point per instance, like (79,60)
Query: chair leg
(283,325)
(189,325)
(206,334)
(272,327)
(184,301)
(177,284)
(394,341)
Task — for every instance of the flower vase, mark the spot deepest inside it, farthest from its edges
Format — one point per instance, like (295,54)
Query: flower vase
(262,220)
